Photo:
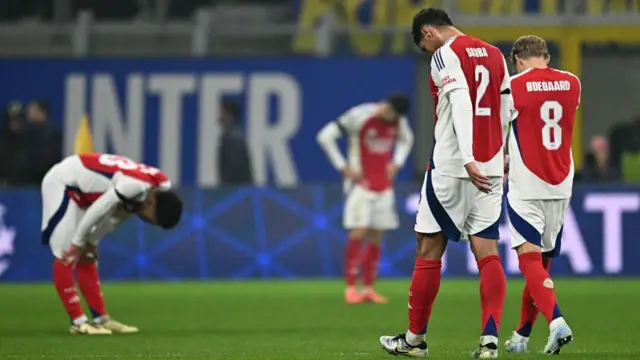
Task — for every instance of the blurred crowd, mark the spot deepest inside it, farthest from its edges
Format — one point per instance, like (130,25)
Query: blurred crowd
(30,143)
(614,158)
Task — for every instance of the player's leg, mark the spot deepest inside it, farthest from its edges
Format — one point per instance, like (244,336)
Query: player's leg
(89,284)
(370,266)
(440,215)
(534,228)
(59,219)
(560,333)
(356,219)
(482,227)
(385,218)
(528,315)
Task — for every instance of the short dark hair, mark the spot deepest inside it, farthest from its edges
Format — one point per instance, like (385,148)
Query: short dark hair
(529,46)
(428,17)
(399,103)
(168,209)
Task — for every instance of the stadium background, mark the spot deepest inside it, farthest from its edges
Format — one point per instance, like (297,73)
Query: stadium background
(145,79)
(152,90)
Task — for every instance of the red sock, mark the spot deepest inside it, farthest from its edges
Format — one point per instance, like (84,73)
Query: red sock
(539,283)
(370,264)
(493,288)
(351,261)
(425,284)
(89,283)
(63,281)
(529,311)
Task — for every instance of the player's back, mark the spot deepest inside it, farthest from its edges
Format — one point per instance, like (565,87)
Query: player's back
(545,102)
(484,69)
(88,176)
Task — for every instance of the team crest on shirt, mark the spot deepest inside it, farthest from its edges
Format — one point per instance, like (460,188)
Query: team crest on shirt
(7,237)
(378,144)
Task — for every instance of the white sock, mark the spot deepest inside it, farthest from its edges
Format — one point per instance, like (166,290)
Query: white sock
(556,323)
(413,339)
(519,338)
(488,339)
(101,319)
(79,320)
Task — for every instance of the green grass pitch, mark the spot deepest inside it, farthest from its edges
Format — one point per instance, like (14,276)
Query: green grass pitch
(303,319)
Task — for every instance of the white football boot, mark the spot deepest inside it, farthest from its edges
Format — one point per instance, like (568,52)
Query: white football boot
(558,337)
(487,348)
(517,344)
(88,328)
(115,326)
(397,345)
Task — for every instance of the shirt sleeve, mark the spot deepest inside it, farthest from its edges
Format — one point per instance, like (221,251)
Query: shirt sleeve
(328,140)
(329,135)
(449,78)
(404,142)
(462,114)
(98,211)
(446,71)
(506,102)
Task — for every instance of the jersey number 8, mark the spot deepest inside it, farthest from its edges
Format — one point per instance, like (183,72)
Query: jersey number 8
(551,114)
(124,163)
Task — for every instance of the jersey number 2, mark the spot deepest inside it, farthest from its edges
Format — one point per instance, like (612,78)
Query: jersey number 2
(482,79)
(123,163)
(551,114)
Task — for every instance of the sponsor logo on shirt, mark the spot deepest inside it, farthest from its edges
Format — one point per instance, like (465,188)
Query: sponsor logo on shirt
(448,80)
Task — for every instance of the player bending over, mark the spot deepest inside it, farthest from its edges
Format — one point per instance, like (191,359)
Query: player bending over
(373,130)
(85,197)
(462,191)
(540,182)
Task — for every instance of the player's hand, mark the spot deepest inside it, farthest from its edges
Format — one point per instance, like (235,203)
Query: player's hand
(392,170)
(480,181)
(351,174)
(89,253)
(72,255)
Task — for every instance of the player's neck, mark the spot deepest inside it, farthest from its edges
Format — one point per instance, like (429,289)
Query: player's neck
(536,64)
(450,32)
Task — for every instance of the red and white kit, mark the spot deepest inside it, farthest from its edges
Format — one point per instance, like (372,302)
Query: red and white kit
(465,132)
(370,203)
(541,167)
(81,193)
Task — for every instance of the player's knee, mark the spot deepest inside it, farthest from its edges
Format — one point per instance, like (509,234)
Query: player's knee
(528,247)
(482,248)
(357,234)
(430,246)
(375,236)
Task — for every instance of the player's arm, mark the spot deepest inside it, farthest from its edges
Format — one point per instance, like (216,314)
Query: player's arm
(506,104)
(330,134)
(98,211)
(404,143)
(127,193)
(447,74)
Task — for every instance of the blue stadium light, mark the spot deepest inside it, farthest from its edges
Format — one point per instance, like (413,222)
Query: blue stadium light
(197,222)
(142,261)
(264,259)
(320,221)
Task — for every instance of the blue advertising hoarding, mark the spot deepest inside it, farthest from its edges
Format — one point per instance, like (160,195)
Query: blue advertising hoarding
(164,112)
(266,233)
